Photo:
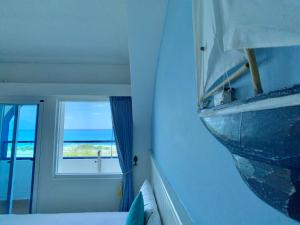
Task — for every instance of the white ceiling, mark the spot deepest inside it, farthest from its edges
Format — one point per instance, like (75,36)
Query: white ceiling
(64,31)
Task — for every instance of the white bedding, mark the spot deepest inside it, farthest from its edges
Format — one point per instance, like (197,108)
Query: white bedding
(101,218)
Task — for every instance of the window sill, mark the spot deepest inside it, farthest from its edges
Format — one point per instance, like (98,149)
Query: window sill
(116,176)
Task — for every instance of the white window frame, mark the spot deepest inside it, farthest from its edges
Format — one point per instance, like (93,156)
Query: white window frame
(59,129)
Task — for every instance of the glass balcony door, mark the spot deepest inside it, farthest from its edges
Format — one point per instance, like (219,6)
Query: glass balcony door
(8,128)
(17,149)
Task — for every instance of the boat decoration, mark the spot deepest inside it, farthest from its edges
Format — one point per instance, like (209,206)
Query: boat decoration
(262,132)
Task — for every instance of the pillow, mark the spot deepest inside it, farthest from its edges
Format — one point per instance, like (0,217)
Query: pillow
(152,216)
(136,212)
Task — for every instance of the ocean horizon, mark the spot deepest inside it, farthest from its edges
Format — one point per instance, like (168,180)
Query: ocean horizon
(26,149)
(71,134)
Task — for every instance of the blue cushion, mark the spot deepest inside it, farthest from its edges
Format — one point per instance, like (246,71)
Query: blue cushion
(136,212)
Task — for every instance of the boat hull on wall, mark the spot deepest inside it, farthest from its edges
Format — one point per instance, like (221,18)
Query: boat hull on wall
(263,135)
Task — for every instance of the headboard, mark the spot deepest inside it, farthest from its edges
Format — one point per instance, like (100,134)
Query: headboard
(170,209)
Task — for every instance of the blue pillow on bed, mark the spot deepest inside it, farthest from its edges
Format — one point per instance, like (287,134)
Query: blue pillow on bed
(136,212)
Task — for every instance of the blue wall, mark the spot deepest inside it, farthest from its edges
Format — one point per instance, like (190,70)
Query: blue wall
(278,67)
(199,169)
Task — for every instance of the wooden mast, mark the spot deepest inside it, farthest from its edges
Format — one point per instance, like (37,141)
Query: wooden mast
(254,71)
(241,71)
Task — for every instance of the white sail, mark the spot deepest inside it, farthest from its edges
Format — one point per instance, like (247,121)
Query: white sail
(213,62)
(226,27)
(259,23)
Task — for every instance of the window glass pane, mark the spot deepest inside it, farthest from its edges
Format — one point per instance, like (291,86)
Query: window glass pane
(26,132)
(87,141)
(88,130)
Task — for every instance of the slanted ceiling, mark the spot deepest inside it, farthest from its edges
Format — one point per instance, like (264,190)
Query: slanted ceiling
(92,33)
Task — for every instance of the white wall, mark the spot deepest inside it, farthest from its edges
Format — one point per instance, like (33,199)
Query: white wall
(89,166)
(146,19)
(88,73)
(66,194)
(40,90)
(59,194)
(145,27)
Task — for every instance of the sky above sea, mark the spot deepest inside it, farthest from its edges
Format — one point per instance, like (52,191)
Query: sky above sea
(78,116)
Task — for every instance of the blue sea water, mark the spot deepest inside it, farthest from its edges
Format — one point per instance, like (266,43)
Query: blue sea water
(71,135)
(26,149)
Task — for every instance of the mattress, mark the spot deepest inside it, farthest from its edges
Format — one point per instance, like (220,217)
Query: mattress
(101,218)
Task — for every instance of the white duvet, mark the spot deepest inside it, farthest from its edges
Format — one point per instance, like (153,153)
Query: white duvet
(101,218)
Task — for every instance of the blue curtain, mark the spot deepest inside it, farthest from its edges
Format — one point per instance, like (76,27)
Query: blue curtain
(121,108)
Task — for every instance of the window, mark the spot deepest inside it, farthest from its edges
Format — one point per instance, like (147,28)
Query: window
(26,131)
(86,139)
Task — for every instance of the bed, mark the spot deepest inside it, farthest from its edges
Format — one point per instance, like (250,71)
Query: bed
(100,218)
(152,216)
(156,212)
